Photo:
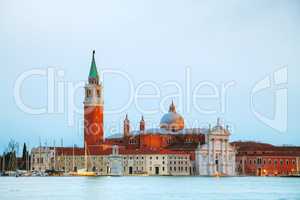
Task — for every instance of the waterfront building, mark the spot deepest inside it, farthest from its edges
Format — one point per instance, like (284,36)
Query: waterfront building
(125,162)
(216,156)
(260,159)
(42,158)
(169,149)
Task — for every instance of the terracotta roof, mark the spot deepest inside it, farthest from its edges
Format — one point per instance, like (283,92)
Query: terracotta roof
(161,131)
(183,146)
(69,151)
(255,148)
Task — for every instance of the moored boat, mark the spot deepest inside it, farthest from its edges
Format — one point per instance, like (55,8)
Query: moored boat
(84,172)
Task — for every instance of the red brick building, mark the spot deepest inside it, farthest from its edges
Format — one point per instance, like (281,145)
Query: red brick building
(171,135)
(260,159)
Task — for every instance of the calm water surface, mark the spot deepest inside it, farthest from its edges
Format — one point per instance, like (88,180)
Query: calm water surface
(148,188)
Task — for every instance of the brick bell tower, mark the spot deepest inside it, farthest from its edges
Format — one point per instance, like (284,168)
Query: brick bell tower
(93,109)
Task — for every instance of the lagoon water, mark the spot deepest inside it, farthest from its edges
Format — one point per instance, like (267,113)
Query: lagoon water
(148,188)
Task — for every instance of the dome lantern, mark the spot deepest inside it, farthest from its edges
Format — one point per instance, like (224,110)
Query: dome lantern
(172,121)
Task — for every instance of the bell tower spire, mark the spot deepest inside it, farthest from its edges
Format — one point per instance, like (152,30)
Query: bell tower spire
(126,126)
(93,75)
(142,124)
(93,108)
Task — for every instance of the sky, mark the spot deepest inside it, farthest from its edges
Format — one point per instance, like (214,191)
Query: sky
(208,56)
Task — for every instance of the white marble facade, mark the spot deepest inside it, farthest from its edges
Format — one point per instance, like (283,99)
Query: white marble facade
(216,156)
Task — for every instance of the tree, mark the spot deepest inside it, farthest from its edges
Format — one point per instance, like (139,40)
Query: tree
(11,155)
(1,163)
(25,158)
(25,152)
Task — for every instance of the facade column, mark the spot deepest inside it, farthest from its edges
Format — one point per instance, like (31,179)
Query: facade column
(214,157)
(211,157)
(226,154)
(243,165)
(223,163)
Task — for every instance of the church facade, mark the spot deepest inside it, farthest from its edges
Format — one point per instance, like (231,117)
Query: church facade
(216,156)
(170,149)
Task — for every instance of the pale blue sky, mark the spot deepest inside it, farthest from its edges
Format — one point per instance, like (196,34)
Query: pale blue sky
(220,41)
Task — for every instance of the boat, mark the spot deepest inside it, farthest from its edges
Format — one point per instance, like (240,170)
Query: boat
(52,172)
(84,171)
(39,173)
(218,174)
(12,173)
(23,173)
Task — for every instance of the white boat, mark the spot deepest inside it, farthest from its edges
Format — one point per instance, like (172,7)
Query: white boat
(39,173)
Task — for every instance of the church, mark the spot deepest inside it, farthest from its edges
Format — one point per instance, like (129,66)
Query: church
(170,149)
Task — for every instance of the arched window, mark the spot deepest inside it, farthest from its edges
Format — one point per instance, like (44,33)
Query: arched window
(88,93)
